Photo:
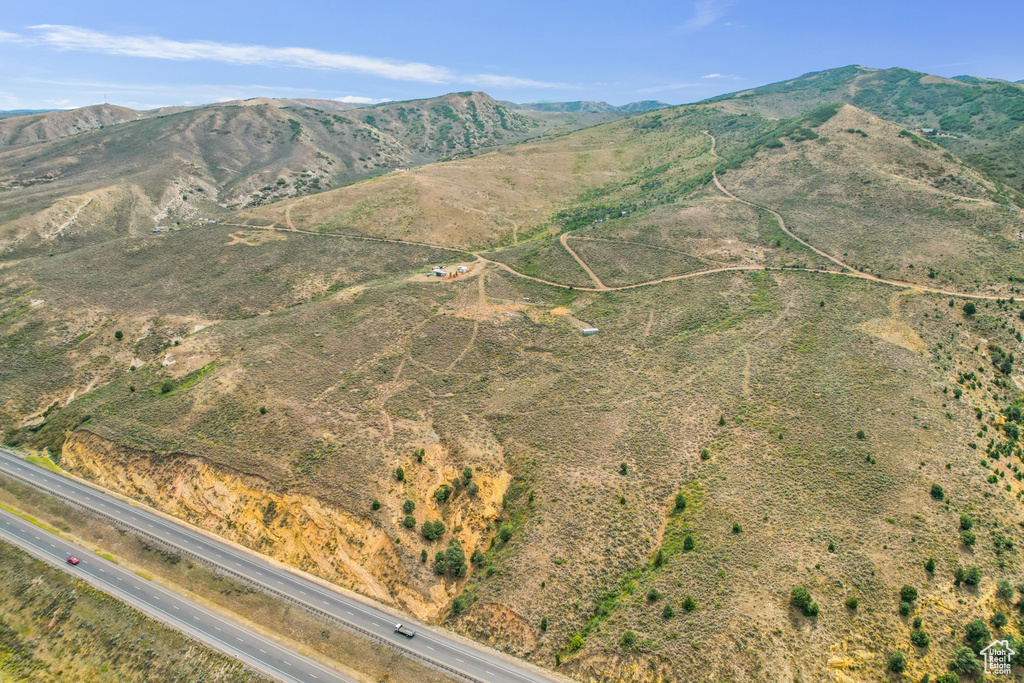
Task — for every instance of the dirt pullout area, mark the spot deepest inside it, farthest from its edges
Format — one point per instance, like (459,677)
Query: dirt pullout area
(293,528)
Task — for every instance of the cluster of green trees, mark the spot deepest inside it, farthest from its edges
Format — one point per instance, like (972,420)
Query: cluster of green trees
(451,562)
(432,530)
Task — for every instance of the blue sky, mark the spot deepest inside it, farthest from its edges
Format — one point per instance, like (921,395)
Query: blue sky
(63,54)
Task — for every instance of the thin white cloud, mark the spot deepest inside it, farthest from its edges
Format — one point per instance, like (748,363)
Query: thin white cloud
(355,99)
(731,77)
(8,37)
(507,81)
(707,12)
(155,47)
(673,86)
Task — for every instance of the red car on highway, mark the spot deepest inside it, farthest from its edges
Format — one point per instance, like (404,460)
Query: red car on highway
(73,560)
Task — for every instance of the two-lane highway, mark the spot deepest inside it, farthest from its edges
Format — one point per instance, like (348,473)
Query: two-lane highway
(254,650)
(448,653)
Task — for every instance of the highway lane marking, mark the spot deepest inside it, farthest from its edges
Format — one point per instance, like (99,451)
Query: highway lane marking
(430,648)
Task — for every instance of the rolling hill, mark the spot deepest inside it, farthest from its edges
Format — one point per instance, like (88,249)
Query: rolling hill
(979,120)
(165,168)
(803,385)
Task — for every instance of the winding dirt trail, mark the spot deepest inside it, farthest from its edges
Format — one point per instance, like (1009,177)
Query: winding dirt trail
(564,239)
(851,271)
(782,224)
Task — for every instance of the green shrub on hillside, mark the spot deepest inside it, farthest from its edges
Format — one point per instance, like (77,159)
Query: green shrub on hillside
(801,598)
(964,661)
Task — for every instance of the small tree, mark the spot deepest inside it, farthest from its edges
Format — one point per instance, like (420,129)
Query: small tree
(977,634)
(627,640)
(1004,588)
(965,662)
(653,594)
(999,619)
(801,598)
(966,522)
(705,454)
(263,410)
(680,502)
(455,558)
(467,473)
(409,521)
(937,492)
(736,528)
(689,604)
(929,565)
(442,493)
(375,505)
(668,612)
(623,469)
(970,308)
(423,555)
(458,605)
(904,609)
(432,530)
(505,533)
(972,575)
(543,623)
(659,558)
(119,335)
(408,506)
(167,386)
(897,663)
(908,593)
(861,435)
(920,638)
(478,558)
(968,538)
(399,474)
(688,543)
(852,602)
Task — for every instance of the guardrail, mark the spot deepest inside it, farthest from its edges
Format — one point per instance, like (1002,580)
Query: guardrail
(312,609)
